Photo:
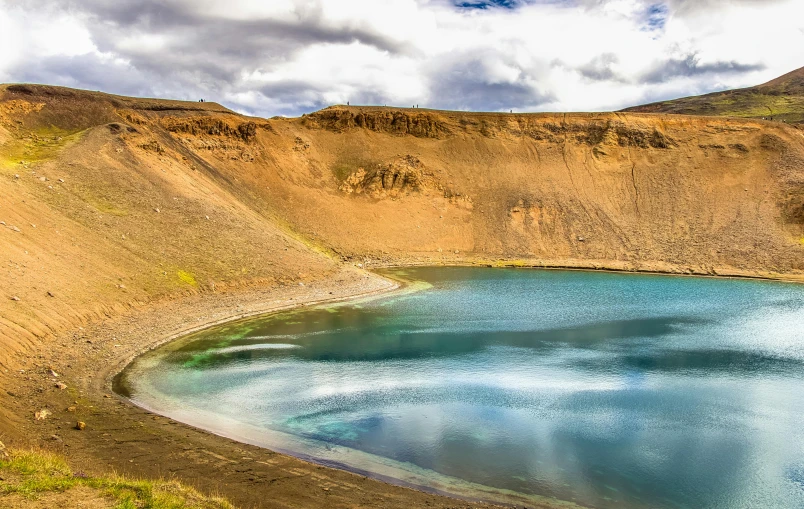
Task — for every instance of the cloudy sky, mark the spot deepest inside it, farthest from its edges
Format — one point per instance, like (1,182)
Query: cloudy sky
(287,57)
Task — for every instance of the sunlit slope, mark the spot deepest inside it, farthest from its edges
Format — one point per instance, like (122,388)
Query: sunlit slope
(683,193)
(108,202)
(101,210)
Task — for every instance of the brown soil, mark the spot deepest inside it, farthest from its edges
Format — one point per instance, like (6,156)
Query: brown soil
(124,222)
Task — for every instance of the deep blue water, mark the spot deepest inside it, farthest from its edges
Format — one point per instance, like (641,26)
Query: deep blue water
(609,390)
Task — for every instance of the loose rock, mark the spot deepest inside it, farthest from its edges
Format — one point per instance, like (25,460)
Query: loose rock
(41,415)
(61,385)
(80,425)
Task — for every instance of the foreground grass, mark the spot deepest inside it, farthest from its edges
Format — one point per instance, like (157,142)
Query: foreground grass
(36,474)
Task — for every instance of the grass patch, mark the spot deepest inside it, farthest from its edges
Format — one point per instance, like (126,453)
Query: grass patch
(186,278)
(105,207)
(33,474)
(762,106)
(38,146)
(512,263)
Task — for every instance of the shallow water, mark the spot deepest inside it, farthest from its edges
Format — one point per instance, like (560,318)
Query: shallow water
(610,390)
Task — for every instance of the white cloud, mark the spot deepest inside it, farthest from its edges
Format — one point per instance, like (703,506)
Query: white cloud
(290,56)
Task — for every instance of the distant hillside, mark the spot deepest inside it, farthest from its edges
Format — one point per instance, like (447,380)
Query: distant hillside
(782,99)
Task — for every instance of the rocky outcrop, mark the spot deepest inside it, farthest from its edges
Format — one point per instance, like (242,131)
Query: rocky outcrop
(153,146)
(421,125)
(403,176)
(244,131)
(568,130)
(607,129)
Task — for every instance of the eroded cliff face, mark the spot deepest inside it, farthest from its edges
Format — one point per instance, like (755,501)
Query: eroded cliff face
(421,125)
(109,202)
(690,194)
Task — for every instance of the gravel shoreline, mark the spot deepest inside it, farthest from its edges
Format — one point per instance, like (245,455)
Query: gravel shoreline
(126,439)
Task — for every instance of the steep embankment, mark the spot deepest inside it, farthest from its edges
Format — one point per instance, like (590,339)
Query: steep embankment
(647,192)
(101,210)
(111,201)
(781,99)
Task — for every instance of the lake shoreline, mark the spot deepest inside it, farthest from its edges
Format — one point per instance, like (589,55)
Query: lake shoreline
(124,438)
(603,266)
(131,440)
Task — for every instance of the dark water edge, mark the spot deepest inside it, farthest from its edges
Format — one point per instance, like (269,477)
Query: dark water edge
(678,353)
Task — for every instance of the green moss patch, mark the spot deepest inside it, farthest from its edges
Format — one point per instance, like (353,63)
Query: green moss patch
(33,474)
(186,278)
(38,146)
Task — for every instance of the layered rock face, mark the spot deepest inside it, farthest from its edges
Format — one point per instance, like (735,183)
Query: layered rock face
(689,194)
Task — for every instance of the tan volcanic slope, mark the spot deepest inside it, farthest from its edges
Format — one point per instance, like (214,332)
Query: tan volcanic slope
(110,203)
(119,201)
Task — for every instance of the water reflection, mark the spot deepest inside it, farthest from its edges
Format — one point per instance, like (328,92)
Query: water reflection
(361,340)
(609,390)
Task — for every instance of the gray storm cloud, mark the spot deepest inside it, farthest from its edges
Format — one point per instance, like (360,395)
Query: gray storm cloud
(495,55)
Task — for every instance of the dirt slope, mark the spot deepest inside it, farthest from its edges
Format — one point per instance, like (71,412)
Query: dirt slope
(109,202)
(781,99)
(100,213)
(612,190)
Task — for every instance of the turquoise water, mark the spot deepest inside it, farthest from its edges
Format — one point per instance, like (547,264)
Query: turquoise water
(609,390)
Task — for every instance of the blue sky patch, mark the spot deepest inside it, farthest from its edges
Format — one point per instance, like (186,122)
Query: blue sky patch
(485,4)
(656,17)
